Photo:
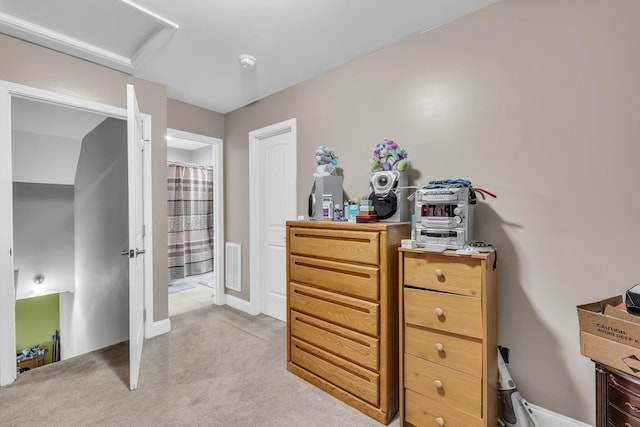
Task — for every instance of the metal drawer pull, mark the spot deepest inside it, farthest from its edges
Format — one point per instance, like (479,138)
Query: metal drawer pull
(440,421)
(439,312)
(439,347)
(439,272)
(627,425)
(633,408)
(438,384)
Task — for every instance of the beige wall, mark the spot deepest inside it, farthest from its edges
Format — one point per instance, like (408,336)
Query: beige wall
(190,118)
(34,66)
(534,101)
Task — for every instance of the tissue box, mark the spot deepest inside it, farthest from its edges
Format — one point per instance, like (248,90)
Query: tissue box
(409,244)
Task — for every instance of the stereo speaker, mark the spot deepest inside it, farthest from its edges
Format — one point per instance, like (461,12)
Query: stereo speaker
(389,194)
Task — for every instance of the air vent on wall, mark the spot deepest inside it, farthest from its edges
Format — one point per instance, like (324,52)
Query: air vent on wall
(233,266)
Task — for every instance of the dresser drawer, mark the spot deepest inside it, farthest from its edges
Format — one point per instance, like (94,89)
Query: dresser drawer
(442,384)
(442,311)
(346,343)
(443,273)
(422,411)
(627,402)
(626,383)
(343,310)
(353,279)
(454,351)
(620,418)
(346,245)
(350,377)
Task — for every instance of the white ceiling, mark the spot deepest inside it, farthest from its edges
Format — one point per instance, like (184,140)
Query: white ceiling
(46,140)
(292,40)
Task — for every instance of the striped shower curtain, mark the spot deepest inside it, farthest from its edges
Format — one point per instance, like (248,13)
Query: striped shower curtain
(190,206)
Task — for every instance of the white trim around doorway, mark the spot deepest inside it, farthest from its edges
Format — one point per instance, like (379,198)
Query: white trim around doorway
(7,335)
(218,214)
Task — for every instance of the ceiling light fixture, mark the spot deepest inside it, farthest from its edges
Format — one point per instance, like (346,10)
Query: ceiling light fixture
(38,280)
(148,12)
(247,61)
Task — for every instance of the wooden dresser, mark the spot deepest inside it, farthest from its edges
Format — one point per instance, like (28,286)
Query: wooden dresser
(342,310)
(617,398)
(448,339)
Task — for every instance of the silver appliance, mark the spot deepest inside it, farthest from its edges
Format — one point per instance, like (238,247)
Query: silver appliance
(514,410)
(444,215)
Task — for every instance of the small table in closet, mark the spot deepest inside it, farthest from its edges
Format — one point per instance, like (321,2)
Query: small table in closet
(31,362)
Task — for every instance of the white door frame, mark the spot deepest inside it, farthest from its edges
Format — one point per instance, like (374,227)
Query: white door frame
(7,305)
(218,205)
(256,165)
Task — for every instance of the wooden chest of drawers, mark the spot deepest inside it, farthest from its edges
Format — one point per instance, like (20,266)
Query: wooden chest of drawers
(448,339)
(342,310)
(617,398)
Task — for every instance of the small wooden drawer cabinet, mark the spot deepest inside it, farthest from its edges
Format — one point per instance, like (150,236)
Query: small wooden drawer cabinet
(31,362)
(448,339)
(342,310)
(617,398)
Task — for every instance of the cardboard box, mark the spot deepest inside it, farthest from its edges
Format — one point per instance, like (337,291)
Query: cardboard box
(621,313)
(610,339)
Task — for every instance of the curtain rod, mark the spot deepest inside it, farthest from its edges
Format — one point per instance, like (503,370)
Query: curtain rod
(193,165)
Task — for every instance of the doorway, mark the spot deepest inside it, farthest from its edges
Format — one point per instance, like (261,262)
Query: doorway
(273,191)
(194,286)
(118,116)
(69,215)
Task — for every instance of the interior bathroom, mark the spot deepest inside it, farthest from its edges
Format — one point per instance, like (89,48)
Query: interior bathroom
(191,231)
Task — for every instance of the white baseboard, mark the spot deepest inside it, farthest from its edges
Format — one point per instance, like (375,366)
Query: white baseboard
(240,304)
(158,328)
(547,418)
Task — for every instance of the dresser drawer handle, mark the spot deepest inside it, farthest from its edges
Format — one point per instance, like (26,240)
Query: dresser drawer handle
(439,312)
(440,421)
(439,273)
(439,347)
(627,425)
(438,384)
(633,408)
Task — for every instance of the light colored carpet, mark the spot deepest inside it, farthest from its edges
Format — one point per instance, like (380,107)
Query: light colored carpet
(217,367)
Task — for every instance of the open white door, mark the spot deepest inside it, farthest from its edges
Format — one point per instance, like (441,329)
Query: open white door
(136,237)
(7,282)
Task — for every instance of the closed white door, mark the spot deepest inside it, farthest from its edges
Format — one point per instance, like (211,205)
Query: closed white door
(275,167)
(135,146)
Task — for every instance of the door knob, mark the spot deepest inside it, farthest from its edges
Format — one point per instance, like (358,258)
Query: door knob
(131,253)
